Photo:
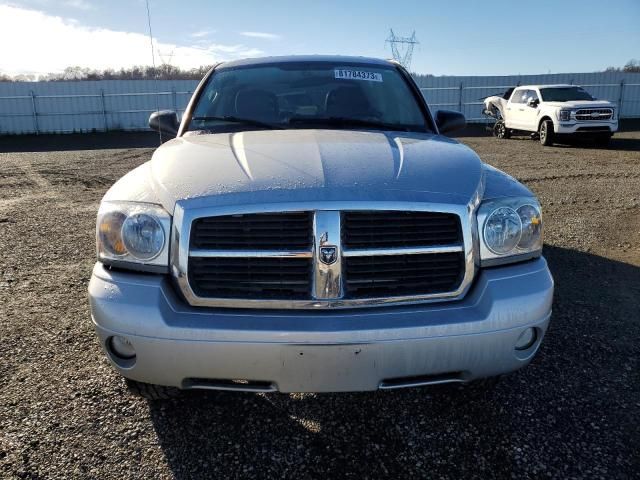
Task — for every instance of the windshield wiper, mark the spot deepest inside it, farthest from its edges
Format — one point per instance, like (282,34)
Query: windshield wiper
(246,121)
(350,122)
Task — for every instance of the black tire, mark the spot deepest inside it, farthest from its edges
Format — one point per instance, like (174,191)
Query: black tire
(152,392)
(501,131)
(546,133)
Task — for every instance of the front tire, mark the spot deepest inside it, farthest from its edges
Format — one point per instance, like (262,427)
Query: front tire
(500,130)
(546,133)
(150,391)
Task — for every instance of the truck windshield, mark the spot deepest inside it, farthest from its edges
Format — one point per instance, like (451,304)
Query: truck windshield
(564,94)
(308,95)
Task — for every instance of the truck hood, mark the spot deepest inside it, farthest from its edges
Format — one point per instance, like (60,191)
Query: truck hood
(256,167)
(582,104)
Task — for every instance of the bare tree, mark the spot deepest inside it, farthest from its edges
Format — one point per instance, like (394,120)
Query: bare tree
(632,66)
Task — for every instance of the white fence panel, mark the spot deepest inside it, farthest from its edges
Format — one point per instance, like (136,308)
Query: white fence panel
(465,94)
(81,106)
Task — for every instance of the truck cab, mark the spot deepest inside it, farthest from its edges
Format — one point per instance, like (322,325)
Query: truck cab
(523,110)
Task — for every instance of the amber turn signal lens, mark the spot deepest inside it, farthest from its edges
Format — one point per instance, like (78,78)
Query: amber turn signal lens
(110,233)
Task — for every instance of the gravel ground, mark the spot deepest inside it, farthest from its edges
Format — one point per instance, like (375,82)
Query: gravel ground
(573,413)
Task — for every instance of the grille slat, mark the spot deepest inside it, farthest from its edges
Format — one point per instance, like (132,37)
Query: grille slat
(402,241)
(355,223)
(407,282)
(413,230)
(405,271)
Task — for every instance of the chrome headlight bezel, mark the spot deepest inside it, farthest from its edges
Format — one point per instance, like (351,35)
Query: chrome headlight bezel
(489,257)
(564,115)
(112,217)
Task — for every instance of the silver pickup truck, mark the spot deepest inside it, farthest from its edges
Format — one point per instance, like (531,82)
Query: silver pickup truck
(310,229)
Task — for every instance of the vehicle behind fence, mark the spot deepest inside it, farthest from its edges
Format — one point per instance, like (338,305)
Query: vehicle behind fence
(84,106)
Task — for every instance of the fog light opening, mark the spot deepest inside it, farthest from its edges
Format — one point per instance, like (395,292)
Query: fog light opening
(122,348)
(526,339)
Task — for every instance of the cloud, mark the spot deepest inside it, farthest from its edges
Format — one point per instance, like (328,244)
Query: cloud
(263,35)
(80,4)
(201,33)
(61,43)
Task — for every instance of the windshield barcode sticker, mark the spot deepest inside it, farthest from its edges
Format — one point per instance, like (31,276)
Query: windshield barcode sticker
(358,75)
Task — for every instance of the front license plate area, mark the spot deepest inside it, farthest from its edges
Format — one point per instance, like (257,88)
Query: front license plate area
(328,368)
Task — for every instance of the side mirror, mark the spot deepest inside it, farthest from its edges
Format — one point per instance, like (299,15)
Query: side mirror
(165,122)
(532,102)
(448,121)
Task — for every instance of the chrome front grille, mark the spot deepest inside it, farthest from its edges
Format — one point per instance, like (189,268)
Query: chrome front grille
(316,258)
(594,114)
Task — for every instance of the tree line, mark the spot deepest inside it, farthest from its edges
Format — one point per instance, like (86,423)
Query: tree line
(139,72)
(632,66)
(171,72)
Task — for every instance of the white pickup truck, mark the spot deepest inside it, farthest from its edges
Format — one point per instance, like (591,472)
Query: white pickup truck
(552,111)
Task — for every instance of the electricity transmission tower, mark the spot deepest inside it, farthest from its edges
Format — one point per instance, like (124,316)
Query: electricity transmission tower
(165,57)
(402,48)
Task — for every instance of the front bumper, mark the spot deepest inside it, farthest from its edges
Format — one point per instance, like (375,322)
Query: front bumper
(586,128)
(320,351)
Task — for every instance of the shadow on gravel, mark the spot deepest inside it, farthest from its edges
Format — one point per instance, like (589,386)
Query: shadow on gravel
(618,144)
(474,130)
(78,141)
(222,434)
(567,414)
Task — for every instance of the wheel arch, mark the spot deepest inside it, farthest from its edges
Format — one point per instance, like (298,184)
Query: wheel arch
(542,119)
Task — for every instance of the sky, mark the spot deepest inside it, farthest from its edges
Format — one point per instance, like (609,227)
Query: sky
(462,37)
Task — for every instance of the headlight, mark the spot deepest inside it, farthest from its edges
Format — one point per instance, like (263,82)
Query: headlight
(502,230)
(143,236)
(565,115)
(510,230)
(133,235)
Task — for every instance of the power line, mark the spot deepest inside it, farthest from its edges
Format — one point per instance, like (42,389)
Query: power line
(402,48)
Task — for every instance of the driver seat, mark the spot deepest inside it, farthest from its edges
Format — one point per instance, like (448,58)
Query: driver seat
(257,104)
(347,102)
